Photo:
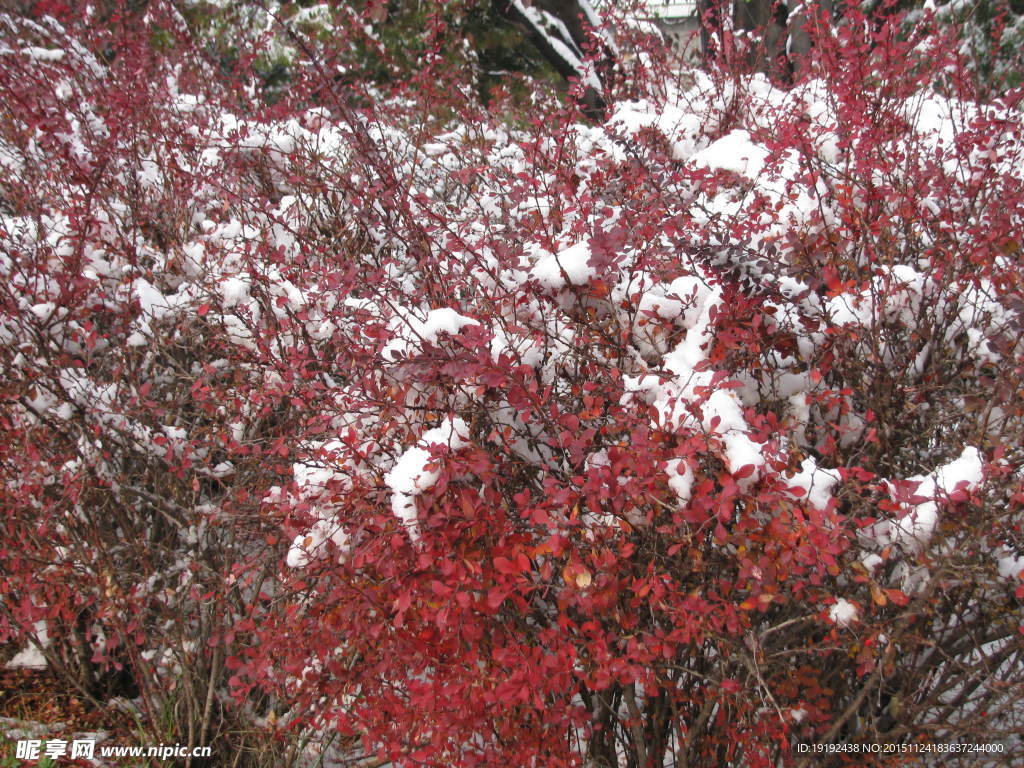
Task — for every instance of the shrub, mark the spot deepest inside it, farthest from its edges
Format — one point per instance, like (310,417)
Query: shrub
(687,438)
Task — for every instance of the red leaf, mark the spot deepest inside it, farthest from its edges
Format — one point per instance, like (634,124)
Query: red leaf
(496,596)
(898,597)
(720,533)
(745,471)
(504,565)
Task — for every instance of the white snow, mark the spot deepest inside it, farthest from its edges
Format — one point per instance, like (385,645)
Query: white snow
(916,527)
(43,54)
(872,562)
(680,480)
(307,546)
(412,475)
(1010,565)
(234,290)
(735,152)
(843,613)
(410,332)
(681,127)
(815,482)
(31,657)
(314,474)
(553,270)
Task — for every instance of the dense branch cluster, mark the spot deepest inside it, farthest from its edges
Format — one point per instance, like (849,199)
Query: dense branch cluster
(447,437)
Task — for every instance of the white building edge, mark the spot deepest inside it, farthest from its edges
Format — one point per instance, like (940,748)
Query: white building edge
(672,11)
(678,21)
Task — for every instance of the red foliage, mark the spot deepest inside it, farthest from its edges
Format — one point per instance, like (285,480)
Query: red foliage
(692,437)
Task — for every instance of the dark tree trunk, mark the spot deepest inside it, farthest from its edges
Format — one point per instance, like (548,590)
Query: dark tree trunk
(778,28)
(560,30)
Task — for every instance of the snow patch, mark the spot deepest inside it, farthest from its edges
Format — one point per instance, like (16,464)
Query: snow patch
(412,474)
(734,152)
(553,270)
(31,657)
(843,613)
(411,332)
(816,482)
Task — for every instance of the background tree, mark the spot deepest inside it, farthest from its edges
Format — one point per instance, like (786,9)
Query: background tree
(412,430)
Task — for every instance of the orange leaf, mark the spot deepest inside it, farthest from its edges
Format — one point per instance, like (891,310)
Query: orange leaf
(583,578)
(877,595)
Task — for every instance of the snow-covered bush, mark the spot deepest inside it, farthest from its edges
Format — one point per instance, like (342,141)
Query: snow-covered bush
(989,33)
(684,438)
